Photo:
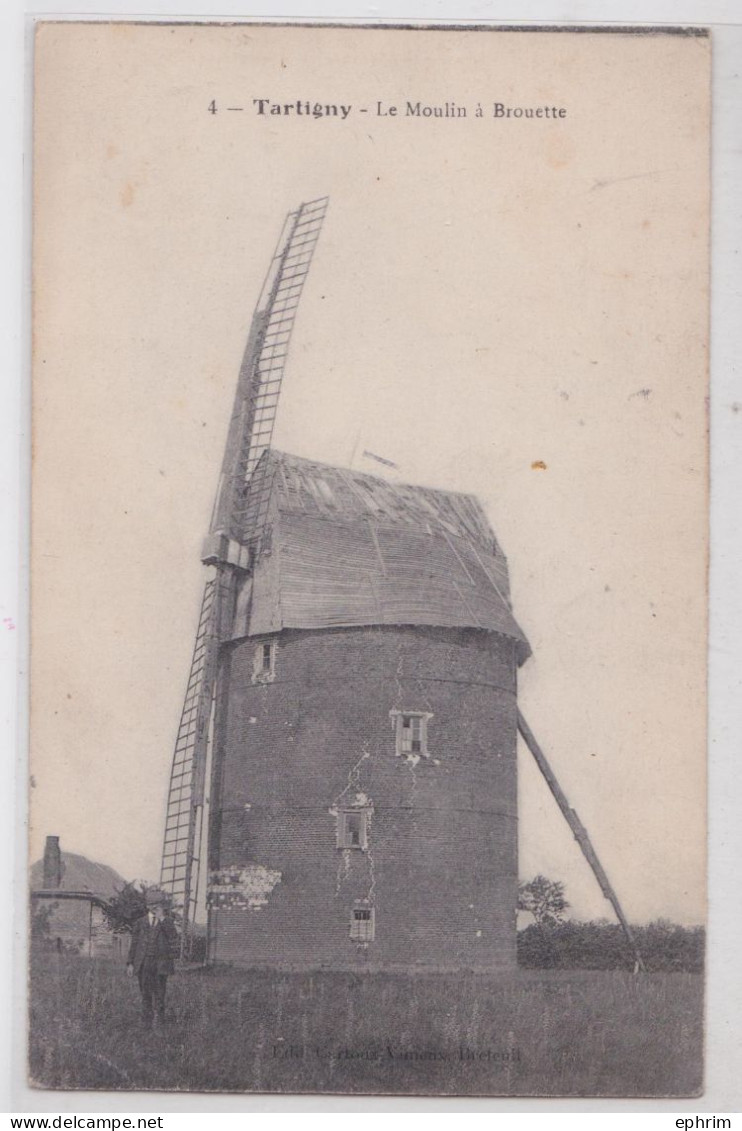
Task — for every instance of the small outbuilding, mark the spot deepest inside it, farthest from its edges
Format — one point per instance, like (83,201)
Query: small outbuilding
(68,897)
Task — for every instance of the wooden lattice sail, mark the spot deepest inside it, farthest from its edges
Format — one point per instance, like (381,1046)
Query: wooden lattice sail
(237,522)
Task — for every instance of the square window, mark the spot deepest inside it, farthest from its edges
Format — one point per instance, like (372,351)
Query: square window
(352,828)
(411,732)
(362,924)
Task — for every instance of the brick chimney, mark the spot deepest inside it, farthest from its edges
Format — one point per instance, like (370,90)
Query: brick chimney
(52,863)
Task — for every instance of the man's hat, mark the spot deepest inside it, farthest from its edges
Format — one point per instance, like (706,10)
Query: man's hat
(156,898)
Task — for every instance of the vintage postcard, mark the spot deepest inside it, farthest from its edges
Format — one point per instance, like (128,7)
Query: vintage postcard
(369,559)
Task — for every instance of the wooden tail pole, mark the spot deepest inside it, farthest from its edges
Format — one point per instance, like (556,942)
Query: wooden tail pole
(580,835)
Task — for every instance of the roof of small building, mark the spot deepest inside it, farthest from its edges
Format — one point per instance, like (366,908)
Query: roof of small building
(56,894)
(342,548)
(79,875)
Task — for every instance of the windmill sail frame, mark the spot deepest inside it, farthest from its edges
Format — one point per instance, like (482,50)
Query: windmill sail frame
(237,522)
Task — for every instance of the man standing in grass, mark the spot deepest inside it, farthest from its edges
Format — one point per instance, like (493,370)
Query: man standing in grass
(154,945)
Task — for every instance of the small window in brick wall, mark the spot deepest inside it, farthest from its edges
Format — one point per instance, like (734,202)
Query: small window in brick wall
(362,923)
(411,732)
(352,828)
(264,662)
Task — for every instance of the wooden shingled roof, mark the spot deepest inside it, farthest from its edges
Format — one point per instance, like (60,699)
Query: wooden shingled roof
(343,548)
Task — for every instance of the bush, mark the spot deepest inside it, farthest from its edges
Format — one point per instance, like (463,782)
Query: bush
(40,926)
(125,908)
(664,946)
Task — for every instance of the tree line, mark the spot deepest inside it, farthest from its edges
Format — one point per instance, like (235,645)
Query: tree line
(553,942)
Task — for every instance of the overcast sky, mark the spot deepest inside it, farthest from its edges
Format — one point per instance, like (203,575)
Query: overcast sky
(485,296)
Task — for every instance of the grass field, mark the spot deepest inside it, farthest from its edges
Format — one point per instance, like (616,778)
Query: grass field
(565,1033)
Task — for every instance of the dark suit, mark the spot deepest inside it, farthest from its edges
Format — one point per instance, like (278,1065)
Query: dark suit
(152,952)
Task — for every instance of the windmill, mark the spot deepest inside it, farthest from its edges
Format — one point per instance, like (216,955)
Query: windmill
(235,529)
(409,576)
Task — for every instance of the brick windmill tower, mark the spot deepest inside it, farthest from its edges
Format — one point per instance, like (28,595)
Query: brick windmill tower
(351,709)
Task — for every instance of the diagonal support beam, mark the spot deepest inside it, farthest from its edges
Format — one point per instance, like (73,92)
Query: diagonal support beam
(580,834)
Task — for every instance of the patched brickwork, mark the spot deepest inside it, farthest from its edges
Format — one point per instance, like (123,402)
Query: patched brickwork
(439,864)
(241,888)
